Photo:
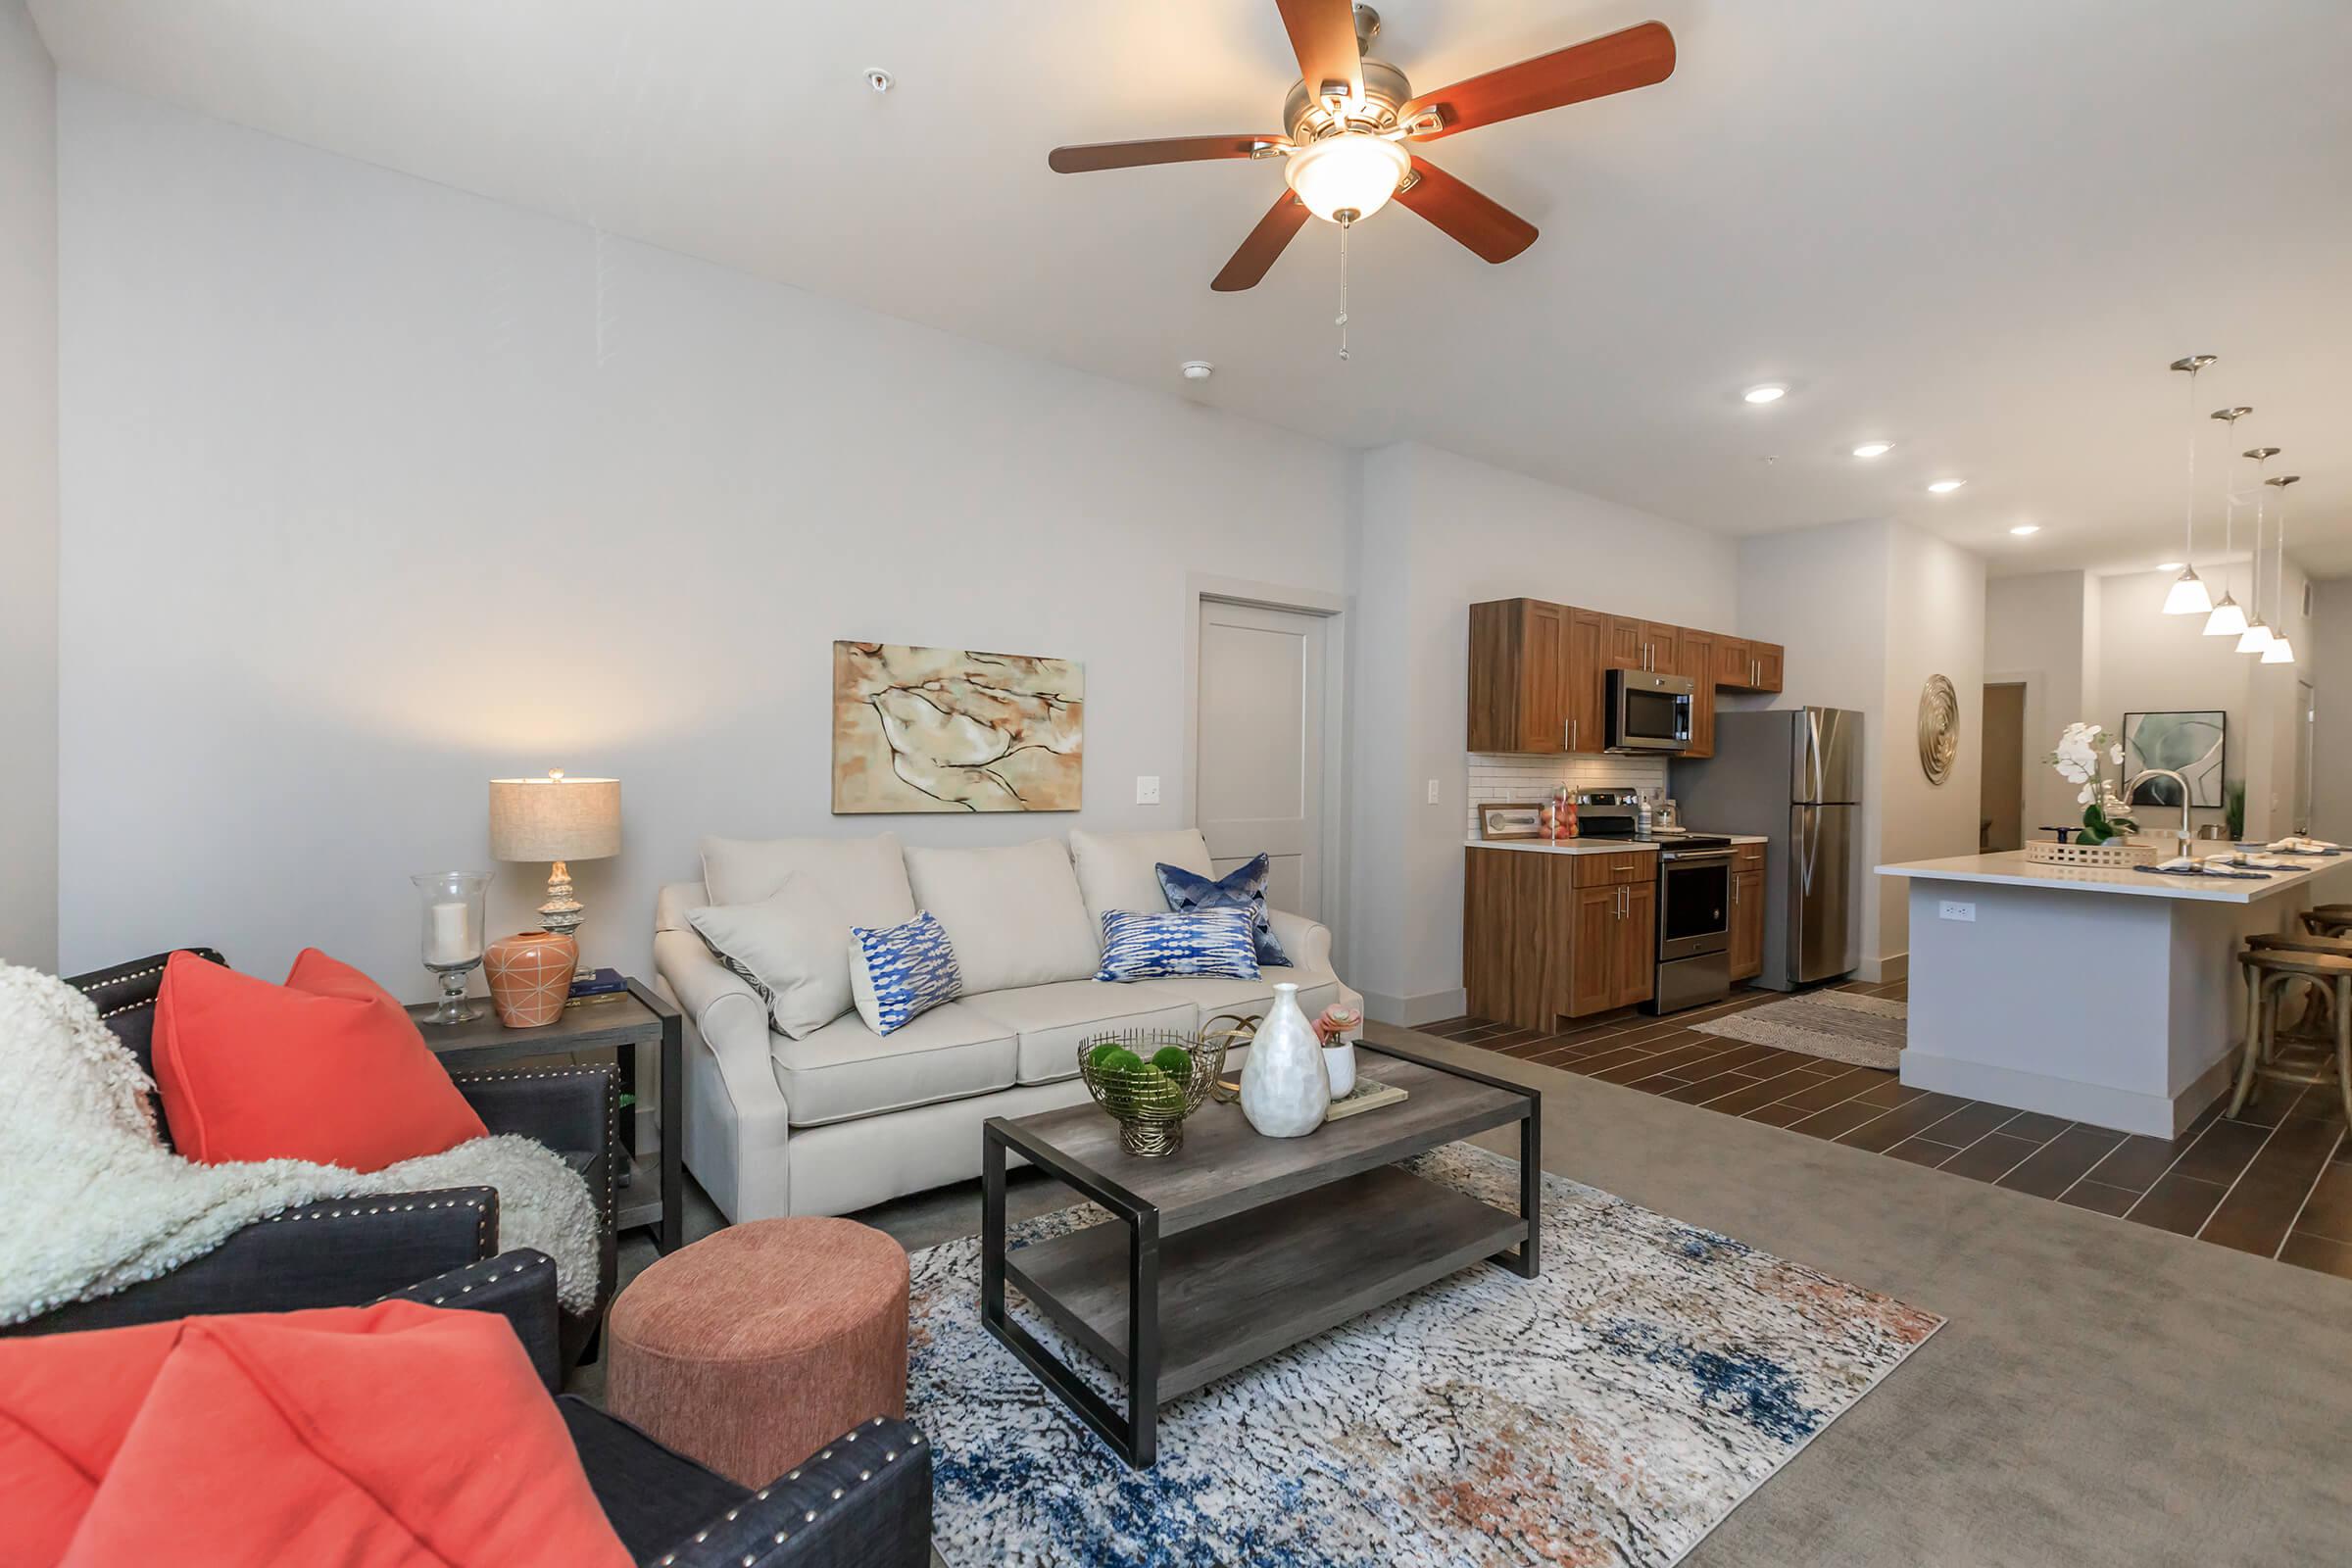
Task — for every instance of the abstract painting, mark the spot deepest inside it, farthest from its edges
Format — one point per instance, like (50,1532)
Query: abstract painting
(2193,744)
(953,729)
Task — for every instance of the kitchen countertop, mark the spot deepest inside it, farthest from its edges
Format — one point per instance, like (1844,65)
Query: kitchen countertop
(2011,868)
(1599,846)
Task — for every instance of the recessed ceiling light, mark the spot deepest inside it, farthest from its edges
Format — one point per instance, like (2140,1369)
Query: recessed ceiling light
(1945,487)
(1769,392)
(879,79)
(1874,449)
(2170,566)
(1196,369)
(2024,528)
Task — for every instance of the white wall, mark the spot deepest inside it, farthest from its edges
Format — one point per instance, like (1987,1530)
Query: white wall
(28,526)
(364,506)
(1440,533)
(1867,612)
(2035,630)
(2329,664)
(1935,605)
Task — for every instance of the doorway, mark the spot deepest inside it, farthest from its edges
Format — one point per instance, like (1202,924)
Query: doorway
(1261,710)
(2001,821)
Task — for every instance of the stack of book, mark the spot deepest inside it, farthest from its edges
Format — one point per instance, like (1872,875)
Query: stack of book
(599,985)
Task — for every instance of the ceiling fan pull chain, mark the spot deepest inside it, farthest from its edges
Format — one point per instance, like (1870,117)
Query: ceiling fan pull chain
(1341,320)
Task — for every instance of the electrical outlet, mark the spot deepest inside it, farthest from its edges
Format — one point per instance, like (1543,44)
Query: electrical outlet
(1433,792)
(1954,910)
(1147,789)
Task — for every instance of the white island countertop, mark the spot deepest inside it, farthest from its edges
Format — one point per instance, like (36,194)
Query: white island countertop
(2011,868)
(1598,845)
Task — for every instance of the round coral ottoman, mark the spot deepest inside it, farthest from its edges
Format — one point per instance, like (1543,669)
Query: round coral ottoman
(754,1347)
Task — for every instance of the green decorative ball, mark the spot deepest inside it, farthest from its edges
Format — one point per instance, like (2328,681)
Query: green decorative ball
(1094,1057)
(1175,1061)
(1118,1059)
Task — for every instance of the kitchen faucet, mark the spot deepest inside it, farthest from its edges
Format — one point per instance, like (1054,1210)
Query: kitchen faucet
(2123,807)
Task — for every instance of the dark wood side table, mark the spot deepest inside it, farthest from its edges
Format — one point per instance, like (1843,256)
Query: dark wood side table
(640,1018)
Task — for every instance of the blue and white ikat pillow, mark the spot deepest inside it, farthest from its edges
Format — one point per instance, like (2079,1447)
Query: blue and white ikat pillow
(900,973)
(1196,942)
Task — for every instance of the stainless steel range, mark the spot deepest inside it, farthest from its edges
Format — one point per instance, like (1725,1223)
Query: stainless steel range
(1695,901)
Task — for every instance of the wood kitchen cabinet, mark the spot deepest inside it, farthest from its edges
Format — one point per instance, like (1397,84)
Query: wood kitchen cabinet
(1695,658)
(1519,676)
(1748,911)
(1548,936)
(1745,664)
(1767,656)
(1626,650)
(1587,681)
(1660,647)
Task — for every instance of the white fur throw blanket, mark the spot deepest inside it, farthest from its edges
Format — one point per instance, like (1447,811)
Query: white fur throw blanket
(95,1203)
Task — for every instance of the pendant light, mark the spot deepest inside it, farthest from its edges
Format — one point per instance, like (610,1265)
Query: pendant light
(2187,596)
(2257,635)
(2227,620)
(2280,651)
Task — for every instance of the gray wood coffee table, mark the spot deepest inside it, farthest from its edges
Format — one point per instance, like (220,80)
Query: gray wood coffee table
(1237,1245)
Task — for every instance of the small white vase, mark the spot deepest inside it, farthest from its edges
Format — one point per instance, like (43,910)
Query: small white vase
(1339,1066)
(1285,1089)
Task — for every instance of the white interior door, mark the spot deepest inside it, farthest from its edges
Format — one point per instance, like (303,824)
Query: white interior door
(1260,785)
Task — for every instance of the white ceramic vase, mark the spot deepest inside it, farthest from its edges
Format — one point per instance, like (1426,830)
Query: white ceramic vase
(1339,1066)
(1285,1089)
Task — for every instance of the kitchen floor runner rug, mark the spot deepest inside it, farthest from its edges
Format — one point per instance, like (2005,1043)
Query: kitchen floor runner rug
(1837,1025)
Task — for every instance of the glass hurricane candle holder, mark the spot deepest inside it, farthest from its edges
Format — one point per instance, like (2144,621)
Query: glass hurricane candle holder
(452,936)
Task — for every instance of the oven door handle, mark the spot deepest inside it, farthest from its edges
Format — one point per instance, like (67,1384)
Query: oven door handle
(1694,856)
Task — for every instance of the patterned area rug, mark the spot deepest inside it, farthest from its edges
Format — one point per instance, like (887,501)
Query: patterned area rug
(1862,1031)
(1612,1412)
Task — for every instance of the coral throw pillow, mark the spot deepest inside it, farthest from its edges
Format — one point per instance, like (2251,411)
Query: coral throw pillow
(328,1068)
(395,1436)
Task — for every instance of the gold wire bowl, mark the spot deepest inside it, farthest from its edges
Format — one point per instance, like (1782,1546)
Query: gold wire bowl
(1151,1106)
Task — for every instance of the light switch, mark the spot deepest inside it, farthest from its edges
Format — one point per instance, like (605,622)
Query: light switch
(1433,792)
(1147,789)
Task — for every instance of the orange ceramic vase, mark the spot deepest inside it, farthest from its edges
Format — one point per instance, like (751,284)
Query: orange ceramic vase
(530,977)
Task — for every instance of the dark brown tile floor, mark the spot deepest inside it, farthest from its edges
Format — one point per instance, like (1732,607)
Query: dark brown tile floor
(2276,1181)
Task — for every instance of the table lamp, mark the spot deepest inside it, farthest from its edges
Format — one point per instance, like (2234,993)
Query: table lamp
(558,819)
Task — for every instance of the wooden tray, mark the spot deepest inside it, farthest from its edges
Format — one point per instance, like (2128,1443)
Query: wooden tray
(2093,856)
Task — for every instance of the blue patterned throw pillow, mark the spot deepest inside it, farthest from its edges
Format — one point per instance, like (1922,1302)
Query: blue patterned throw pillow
(1241,889)
(900,973)
(1152,946)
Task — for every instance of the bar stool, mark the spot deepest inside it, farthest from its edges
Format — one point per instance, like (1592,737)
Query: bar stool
(2287,1059)
(2329,919)
(2318,1024)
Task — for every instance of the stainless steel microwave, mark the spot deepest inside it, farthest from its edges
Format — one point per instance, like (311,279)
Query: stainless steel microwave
(1648,713)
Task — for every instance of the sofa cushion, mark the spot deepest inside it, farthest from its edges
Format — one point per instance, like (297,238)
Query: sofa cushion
(1013,915)
(864,878)
(791,946)
(1214,995)
(1119,870)
(846,1070)
(1053,1022)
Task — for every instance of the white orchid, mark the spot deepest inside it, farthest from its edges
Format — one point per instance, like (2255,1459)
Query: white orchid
(2077,759)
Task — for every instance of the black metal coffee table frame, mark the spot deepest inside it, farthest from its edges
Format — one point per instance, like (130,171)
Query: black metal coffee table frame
(1406,1233)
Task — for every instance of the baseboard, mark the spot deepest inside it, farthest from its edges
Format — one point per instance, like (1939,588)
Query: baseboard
(1884,969)
(1410,1012)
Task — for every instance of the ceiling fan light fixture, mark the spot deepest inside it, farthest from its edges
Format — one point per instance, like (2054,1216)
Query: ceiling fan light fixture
(1353,173)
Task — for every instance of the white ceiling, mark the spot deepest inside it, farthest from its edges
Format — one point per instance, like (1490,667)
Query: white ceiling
(1979,229)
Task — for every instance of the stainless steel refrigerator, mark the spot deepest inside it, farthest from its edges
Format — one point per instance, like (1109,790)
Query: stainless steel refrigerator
(1795,775)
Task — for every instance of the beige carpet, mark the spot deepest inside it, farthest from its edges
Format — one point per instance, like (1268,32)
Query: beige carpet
(1838,1025)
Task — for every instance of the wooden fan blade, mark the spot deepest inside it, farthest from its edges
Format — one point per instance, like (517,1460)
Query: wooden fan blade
(1283,218)
(1323,36)
(1167,150)
(1488,228)
(1637,57)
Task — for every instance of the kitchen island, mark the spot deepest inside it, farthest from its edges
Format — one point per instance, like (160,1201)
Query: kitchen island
(2110,997)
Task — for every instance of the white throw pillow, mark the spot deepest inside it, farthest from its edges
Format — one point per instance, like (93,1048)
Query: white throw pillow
(864,878)
(790,943)
(1013,915)
(1116,871)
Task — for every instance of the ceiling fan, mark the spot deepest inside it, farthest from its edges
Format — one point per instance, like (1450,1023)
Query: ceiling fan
(1349,116)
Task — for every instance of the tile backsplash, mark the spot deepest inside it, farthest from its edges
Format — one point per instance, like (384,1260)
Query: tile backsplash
(1533,778)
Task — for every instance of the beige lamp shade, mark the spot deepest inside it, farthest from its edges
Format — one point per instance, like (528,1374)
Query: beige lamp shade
(555,819)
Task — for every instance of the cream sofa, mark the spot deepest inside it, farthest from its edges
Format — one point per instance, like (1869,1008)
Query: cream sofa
(845,1118)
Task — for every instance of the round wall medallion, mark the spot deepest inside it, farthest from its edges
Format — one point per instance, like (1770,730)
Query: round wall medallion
(1938,728)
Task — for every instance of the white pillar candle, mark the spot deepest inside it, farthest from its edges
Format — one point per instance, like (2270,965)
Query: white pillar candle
(451,942)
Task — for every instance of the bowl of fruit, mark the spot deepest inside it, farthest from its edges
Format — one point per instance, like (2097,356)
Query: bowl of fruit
(1149,1080)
